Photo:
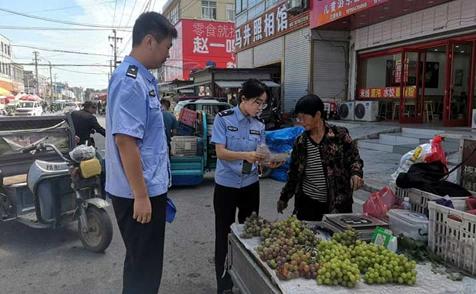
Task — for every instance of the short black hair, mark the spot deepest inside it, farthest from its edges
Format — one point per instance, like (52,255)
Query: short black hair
(165,103)
(89,104)
(152,23)
(252,88)
(310,104)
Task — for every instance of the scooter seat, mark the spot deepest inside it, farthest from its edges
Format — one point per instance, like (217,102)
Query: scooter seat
(40,170)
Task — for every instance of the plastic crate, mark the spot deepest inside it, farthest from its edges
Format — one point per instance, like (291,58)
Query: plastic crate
(184,130)
(418,199)
(188,117)
(184,145)
(452,239)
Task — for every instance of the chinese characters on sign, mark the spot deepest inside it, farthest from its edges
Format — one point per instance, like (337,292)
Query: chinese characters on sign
(387,92)
(272,24)
(200,44)
(325,11)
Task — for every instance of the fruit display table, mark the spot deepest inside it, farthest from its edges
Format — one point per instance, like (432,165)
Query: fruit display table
(252,276)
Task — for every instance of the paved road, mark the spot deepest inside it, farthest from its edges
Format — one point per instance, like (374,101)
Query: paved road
(49,261)
(53,261)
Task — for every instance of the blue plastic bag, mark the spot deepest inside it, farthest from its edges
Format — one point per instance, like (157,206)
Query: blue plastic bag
(170,211)
(282,141)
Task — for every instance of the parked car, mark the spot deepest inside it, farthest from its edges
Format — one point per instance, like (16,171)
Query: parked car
(71,106)
(29,108)
(211,106)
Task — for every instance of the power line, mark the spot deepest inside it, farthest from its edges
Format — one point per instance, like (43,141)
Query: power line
(122,14)
(59,21)
(82,72)
(132,12)
(114,16)
(143,9)
(60,50)
(59,64)
(59,29)
(69,7)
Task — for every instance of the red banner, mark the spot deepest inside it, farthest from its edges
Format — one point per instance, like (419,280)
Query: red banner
(326,11)
(200,44)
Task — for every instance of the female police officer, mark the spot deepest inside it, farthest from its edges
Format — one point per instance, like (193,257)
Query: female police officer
(236,135)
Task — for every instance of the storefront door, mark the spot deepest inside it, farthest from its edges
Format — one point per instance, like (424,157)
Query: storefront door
(412,88)
(457,100)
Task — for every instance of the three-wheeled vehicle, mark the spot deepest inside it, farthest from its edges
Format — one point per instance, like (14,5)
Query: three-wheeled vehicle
(192,154)
(42,187)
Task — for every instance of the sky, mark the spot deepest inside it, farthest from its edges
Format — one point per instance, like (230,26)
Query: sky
(110,13)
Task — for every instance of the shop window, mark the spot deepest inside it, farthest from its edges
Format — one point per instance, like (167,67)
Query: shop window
(209,9)
(241,19)
(230,12)
(174,15)
(461,71)
(238,6)
(379,77)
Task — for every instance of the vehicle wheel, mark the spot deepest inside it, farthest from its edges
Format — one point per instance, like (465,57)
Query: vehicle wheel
(99,233)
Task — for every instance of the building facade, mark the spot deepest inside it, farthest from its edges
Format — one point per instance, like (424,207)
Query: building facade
(415,59)
(10,73)
(271,34)
(219,10)
(205,37)
(29,80)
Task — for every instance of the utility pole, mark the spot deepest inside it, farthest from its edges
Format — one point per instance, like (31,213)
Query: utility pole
(51,84)
(35,59)
(114,38)
(55,84)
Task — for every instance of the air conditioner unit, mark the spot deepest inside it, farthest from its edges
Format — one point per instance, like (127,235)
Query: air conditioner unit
(346,110)
(366,110)
(473,119)
(296,6)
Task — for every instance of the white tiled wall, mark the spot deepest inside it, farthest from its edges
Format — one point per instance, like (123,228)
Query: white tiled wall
(446,17)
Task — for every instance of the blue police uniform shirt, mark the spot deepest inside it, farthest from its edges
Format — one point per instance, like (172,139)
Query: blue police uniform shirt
(133,109)
(237,133)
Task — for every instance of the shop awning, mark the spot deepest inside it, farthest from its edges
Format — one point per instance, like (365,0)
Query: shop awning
(4,92)
(237,84)
(191,86)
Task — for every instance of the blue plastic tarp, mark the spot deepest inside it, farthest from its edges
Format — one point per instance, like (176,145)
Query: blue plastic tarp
(282,141)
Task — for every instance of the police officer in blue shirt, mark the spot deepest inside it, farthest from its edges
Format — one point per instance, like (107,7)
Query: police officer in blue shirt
(137,162)
(236,134)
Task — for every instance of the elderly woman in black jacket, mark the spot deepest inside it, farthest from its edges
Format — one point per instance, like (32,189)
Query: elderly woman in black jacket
(325,165)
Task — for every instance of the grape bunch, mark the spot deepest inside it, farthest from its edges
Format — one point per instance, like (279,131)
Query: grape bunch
(338,271)
(299,264)
(289,247)
(329,250)
(381,265)
(348,237)
(253,226)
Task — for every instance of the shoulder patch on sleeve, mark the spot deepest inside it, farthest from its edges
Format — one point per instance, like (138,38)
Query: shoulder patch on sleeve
(132,71)
(226,112)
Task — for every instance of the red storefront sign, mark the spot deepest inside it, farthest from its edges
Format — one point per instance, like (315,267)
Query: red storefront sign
(387,92)
(270,25)
(200,43)
(326,11)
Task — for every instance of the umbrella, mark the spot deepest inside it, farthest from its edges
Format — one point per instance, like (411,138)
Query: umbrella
(30,98)
(4,92)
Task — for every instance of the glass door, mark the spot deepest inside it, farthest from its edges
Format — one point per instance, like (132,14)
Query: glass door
(457,103)
(412,87)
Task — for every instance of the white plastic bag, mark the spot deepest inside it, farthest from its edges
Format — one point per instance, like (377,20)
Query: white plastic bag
(82,152)
(270,156)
